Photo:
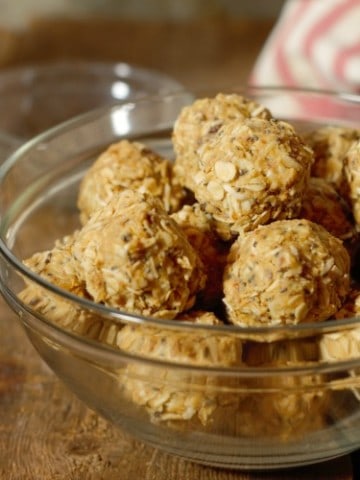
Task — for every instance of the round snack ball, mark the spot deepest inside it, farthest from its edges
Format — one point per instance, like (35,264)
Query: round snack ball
(201,120)
(177,394)
(128,165)
(322,204)
(330,145)
(134,257)
(199,230)
(61,269)
(352,179)
(252,172)
(58,266)
(285,273)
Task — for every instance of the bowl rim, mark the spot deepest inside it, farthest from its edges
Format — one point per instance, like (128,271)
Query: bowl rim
(27,73)
(116,315)
(96,350)
(46,74)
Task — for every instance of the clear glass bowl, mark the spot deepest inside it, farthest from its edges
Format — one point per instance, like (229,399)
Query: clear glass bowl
(262,416)
(36,97)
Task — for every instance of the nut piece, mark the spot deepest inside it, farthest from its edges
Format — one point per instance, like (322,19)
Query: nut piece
(252,172)
(199,121)
(134,257)
(128,165)
(330,145)
(285,273)
(177,394)
(199,230)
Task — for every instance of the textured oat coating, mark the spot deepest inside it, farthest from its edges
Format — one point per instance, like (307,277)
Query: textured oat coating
(252,172)
(323,205)
(284,273)
(199,230)
(128,165)
(330,144)
(337,346)
(352,179)
(175,394)
(130,255)
(201,120)
(58,266)
(134,257)
(69,315)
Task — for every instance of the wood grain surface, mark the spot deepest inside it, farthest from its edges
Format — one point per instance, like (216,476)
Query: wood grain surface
(212,51)
(45,432)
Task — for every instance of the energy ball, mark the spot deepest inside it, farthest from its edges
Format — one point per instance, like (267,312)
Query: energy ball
(61,269)
(251,173)
(200,120)
(285,273)
(352,179)
(58,266)
(134,257)
(330,145)
(198,228)
(177,394)
(323,205)
(128,165)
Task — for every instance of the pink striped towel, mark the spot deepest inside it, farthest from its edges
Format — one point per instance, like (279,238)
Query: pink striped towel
(316,44)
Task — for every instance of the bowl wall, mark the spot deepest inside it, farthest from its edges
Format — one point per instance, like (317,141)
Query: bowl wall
(36,97)
(261,417)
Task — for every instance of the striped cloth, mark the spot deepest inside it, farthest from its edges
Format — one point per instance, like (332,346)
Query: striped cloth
(316,44)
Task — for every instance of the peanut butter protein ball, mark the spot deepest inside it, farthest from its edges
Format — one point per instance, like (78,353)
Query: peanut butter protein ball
(177,395)
(252,172)
(323,205)
(330,145)
(128,165)
(200,120)
(285,273)
(133,256)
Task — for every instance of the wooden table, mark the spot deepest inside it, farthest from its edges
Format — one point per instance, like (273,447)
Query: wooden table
(45,432)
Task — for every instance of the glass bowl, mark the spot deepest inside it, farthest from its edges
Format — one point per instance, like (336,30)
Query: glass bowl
(262,415)
(36,97)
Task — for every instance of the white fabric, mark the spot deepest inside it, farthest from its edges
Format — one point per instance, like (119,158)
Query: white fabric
(315,43)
